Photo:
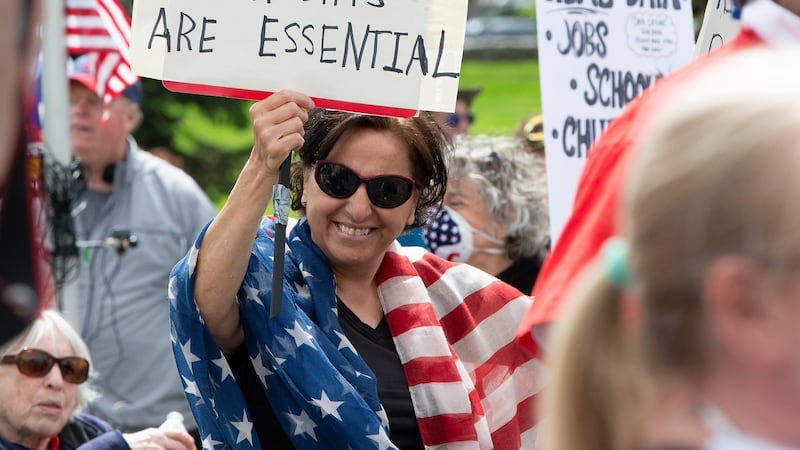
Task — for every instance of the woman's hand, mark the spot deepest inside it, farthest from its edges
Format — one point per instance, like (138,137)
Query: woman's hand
(158,439)
(278,124)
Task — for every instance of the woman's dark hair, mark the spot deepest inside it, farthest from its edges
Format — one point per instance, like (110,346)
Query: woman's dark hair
(427,141)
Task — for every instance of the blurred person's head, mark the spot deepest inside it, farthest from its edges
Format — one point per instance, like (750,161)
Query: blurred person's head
(495,207)
(99,127)
(39,393)
(706,300)
(458,122)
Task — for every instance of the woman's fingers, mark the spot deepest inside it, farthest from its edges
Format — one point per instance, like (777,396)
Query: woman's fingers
(180,439)
(278,123)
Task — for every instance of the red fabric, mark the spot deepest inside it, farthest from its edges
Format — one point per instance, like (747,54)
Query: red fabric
(593,218)
(469,381)
(54,444)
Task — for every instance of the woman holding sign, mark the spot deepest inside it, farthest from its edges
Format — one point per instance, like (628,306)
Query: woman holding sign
(376,345)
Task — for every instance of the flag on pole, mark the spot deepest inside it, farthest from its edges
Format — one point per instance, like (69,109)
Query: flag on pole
(103,29)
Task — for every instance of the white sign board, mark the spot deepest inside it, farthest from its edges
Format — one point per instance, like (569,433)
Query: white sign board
(594,57)
(351,53)
(718,27)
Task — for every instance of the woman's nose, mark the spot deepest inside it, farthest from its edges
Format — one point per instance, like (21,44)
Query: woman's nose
(54,379)
(358,205)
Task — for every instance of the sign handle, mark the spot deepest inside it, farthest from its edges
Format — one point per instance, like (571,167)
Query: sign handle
(280,206)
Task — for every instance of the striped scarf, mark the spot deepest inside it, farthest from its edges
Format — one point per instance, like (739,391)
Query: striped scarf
(453,327)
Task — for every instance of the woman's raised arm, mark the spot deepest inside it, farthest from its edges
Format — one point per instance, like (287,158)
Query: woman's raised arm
(222,260)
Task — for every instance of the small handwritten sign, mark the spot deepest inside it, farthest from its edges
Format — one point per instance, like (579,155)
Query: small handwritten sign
(594,57)
(393,57)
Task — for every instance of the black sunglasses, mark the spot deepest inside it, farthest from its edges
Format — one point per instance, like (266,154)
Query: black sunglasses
(384,191)
(37,363)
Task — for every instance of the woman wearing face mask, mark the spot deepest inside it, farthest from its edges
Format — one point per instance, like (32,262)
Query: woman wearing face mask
(495,210)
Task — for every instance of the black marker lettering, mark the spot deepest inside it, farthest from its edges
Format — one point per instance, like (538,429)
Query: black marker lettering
(436,73)
(264,37)
(183,34)
(203,38)
(393,67)
(162,17)
(324,49)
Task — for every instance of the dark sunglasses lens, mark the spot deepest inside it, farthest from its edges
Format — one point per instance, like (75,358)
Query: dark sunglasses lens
(388,191)
(74,369)
(336,180)
(452,120)
(34,363)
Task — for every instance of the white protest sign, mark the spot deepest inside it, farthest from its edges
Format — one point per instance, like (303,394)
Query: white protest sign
(404,54)
(594,57)
(718,27)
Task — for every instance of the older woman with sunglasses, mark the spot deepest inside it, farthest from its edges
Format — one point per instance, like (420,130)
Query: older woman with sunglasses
(375,345)
(43,374)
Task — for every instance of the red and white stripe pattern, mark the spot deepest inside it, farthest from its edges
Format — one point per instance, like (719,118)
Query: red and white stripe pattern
(103,28)
(471,385)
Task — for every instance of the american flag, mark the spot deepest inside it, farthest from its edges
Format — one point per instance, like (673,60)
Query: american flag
(102,28)
(452,324)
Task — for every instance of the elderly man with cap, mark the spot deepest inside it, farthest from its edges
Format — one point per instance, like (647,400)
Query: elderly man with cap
(136,217)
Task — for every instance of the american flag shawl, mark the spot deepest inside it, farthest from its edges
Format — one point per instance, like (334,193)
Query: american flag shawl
(452,324)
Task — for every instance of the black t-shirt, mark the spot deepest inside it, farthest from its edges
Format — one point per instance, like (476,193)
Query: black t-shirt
(522,274)
(377,348)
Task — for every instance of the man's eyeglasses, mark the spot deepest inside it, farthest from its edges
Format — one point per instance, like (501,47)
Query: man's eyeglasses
(384,191)
(38,363)
(454,119)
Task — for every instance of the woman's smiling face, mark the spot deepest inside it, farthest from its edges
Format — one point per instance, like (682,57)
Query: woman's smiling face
(352,232)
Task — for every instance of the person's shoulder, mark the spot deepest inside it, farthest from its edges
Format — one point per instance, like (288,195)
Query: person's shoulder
(164,169)
(174,181)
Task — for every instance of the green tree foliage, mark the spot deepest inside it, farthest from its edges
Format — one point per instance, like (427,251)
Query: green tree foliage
(213,134)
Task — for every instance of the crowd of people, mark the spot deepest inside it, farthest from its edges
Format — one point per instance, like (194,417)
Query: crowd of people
(421,305)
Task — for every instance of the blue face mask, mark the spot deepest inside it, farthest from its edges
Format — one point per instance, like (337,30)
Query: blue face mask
(450,236)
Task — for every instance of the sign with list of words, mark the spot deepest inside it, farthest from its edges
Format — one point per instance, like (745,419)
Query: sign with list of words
(372,56)
(594,57)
